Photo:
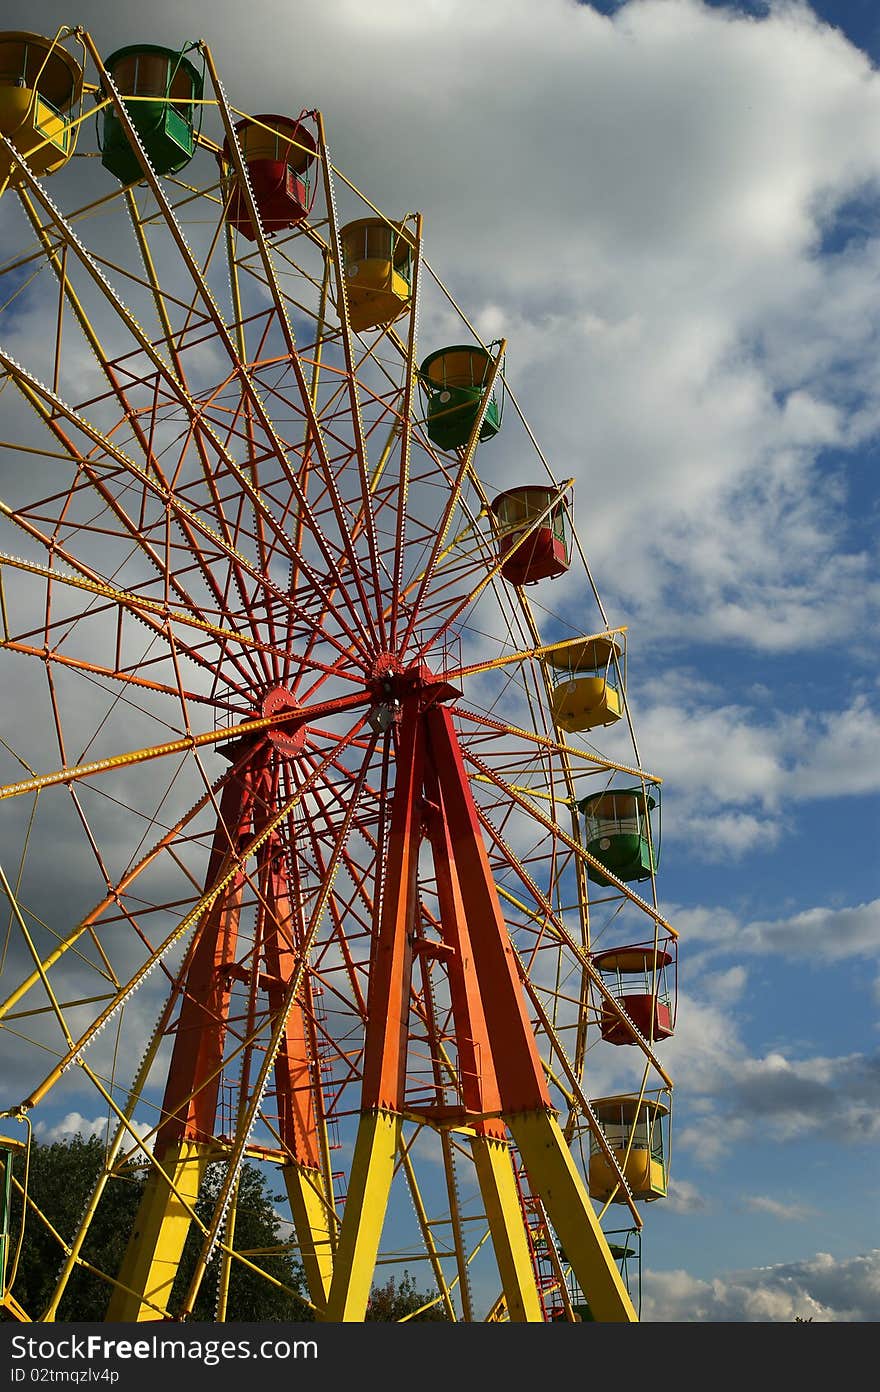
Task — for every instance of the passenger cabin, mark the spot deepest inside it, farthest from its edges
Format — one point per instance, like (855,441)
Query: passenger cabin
(618,834)
(40,95)
(453,384)
(586,691)
(160,89)
(377,266)
(634,1130)
(278,153)
(636,976)
(532,527)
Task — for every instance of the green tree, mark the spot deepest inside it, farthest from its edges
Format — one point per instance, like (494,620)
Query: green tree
(61,1178)
(397,1299)
(258,1237)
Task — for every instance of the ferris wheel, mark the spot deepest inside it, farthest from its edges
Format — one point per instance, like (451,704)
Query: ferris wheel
(309,859)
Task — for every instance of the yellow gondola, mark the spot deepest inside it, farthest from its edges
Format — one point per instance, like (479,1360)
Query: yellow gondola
(587,692)
(377,265)
(40,88)
(634,1129)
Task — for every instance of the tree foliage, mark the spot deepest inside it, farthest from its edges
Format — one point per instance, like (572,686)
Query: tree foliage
(397,1299)
(61,1178)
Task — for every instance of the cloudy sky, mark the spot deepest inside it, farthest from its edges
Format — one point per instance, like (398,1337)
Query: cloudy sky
(671,211)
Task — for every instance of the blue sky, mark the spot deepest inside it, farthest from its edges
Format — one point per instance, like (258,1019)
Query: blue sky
(682,247)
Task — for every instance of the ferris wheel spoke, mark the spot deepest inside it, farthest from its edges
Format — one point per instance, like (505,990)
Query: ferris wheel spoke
(190,920)
(158,364)
(351,914)
(134,604)
(351,378)
(157,618)
(492,572)
(293,354)
(464,469)
(66,290)
(406,431)
(553,746)
(76,772)
(549,922)
(172,337)
(50,408)
(433,1254)
(578,850)
(114,896)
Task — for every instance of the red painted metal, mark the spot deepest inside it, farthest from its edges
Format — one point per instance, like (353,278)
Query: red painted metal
(388,998)
(205,982)
(189,1107)
(281,193)
(499,1066)
(539,556)
(650,1015)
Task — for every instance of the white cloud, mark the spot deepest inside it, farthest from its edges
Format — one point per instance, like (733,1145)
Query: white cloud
(685,351)
(734,774)
(725,987)
(787,1212)
(818,933)
(727,1095)
(683,1197)
(823,1288)
(651,255)
(75,1124)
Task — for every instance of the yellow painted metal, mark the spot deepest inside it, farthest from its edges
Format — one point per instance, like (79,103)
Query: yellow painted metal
(178,932)
(136,603)
(454,493)
(427,1235)
(587,654)
(226,1259)
(138,756)
(377,291)
(17,914)
(555,1178)
(249,1113)
(556,654)
(39,84)
(67,943)
(577,1094)
(585,703)
(578,850)
(645,1176)
(372,1169)
(632,1129)
(9,1302)
(154,1251)
(315,1226)
(261,141)
(533,523)
(494,1166)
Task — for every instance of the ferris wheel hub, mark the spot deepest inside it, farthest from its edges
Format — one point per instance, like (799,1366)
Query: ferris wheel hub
(386,665)
(286,741)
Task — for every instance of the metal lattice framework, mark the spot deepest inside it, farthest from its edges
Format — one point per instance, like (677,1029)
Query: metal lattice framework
(293,861)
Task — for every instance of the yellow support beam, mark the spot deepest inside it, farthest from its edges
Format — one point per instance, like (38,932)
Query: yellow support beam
(494,1166)
(315,1227)
(372,1170)
(555,1178)
(156,1244)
